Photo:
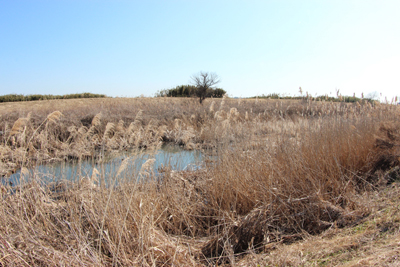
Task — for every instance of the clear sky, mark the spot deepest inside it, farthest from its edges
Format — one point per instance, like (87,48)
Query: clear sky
(133,48)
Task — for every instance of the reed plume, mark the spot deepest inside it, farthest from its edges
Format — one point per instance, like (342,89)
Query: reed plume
(120,127)
(24,173)
(123,166)
(95,176)
(131,128)
(54,116)
(109,130)
(178,124)
(72,129)
(187,135)
(82,130)
(212,106)
(219,115)
(233,114)
(139,119)
(91,132)
(20,124)
(121,169)
(147,167)
(222,102)
(96,122)
(193,118)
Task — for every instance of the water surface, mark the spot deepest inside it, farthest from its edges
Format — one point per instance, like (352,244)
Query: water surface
(108,165)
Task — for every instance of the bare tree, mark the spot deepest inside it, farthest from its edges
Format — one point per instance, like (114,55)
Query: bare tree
(203,82)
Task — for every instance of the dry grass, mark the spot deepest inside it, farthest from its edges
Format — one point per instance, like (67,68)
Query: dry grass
(374,241)
(286,181)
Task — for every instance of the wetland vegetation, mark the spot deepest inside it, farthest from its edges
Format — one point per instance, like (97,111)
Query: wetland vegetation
(285,179)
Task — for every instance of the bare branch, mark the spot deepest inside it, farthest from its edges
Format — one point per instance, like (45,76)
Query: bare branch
(204,81)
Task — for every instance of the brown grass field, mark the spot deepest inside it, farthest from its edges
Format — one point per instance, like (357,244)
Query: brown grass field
(289,183)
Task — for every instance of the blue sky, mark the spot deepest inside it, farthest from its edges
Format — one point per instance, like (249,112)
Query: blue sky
(133,48)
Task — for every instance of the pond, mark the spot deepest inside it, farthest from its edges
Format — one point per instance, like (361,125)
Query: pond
(110,167)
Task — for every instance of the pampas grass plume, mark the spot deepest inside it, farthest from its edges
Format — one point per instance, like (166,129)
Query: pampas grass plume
(109,129)
(131,128)
(24,171)
(18,126)
(72,129)
(139,116)
(97,120)
(120,127)
(54,116)
(222,102)
(91,131)
(82,130)
(95,176)
(124,165)
(147,167)
(212,106)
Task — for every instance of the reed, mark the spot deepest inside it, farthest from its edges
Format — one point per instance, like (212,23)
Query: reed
(279,172)
(19,126)
(96,122)
(54,116)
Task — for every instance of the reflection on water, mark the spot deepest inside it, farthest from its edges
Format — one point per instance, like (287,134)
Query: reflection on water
(168,156)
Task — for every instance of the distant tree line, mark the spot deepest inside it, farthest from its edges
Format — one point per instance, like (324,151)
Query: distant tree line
(16,98)
(349,99)
(190,91)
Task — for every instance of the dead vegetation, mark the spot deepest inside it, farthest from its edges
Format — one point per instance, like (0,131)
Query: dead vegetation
(372,241)
(284,175)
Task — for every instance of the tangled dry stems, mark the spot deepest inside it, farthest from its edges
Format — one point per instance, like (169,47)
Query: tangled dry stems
(283,171)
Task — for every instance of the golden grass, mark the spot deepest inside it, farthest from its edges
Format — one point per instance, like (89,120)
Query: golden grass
(286,180)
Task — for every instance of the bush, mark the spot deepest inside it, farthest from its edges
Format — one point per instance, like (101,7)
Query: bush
(189,91)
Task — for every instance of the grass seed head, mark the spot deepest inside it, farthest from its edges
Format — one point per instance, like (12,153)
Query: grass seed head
(18,126)
(54,116)
(96,122)
(109,130)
